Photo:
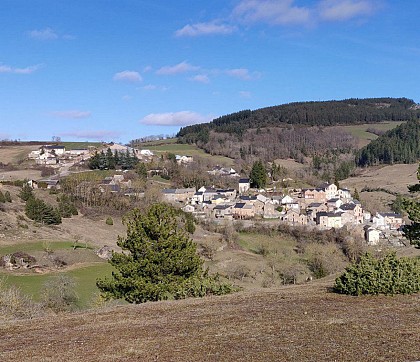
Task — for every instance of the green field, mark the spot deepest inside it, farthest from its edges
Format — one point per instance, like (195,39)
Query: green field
(360,132)
(79,145)
(85,271)
(188,150)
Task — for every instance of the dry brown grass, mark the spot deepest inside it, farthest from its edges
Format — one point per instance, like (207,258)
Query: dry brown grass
(304,323)
(394,178)
(13,154)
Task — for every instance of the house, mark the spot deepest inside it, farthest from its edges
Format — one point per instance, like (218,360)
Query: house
(228,193)
(182,160)
(55,149)
(188,208)
(178,195)
(344,194)
(330,190)
(244,185)
(77,152)
(197,198)
(51,184)
(223,171)
(47,158)
(389,220)
(355,210)
(314,208)
(314,194)
(328,220)
(222,211)
(334,203)
(293,217)
(372,235)
(146,153)
(243,211)
(32,184)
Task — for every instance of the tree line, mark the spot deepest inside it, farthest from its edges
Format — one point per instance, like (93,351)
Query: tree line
(328,113)
(109,160)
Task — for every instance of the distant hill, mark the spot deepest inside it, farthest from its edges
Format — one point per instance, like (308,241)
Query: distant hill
(296,130)
(399,145)
(327,113)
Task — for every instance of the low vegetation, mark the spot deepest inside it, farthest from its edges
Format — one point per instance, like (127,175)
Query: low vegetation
(387,275)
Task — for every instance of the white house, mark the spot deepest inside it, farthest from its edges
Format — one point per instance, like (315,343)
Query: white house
(147,153)
(244,185)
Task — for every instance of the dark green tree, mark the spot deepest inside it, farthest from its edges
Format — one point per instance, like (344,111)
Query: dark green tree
(39,211)
(66,207)
(26,192)
(258,175)
(356,195)
(141,170)
(159,261)
(2,198)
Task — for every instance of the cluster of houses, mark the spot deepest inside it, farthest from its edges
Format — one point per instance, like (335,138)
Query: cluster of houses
(324,207)
(52,155)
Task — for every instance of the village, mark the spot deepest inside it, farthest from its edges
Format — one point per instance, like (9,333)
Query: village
(323,207)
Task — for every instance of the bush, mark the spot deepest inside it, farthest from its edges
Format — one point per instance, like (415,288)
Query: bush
(389,275)
(109,221)
(58,294)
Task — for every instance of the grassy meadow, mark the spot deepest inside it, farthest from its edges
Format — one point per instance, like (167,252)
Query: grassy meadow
(84,267)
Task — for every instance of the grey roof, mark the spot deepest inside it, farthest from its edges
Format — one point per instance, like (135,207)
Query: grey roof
(348,207)
(243,180)
(168,191)
(239,205)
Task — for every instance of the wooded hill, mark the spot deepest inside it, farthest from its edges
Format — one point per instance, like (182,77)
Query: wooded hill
(300,130)
(399,145)
(328,113)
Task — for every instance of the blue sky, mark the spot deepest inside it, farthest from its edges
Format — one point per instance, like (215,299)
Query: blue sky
(115,70)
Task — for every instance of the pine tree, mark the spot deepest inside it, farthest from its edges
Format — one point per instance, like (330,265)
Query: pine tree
(159,261)
(2,198)
(258,175)
(141,170)
(26,192)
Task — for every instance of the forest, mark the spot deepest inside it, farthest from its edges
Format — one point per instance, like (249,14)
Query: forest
(327,113)
(399,145)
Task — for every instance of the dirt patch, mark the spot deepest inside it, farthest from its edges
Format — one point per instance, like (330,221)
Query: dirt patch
(303,323)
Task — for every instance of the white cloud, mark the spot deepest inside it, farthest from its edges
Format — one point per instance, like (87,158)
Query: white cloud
(182,67)
(275,12)
(48,34)
(27,70)
(183,118)
(200,78)
(336,10)
(128,76)
(152,87)
(245,94)
(242,73)
(71,114)
(100,135)
(210,28)
(43,34)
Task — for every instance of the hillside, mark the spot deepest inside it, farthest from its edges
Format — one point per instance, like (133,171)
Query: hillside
(305,323)
(327,113)
(298,130)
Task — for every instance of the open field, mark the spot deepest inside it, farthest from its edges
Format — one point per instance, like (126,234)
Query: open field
(360,132)
(190,150)
(304,323)
(15,154)
(79,145)
(394,178)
